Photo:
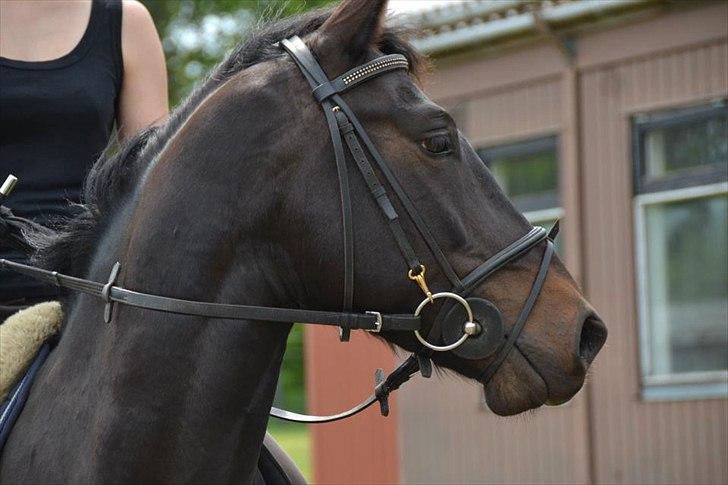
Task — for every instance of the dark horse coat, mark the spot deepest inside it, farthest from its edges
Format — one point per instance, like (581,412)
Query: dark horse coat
(235,200)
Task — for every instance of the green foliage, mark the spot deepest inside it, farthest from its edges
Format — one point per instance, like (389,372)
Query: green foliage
(196,34)
(291,391)
(296,440)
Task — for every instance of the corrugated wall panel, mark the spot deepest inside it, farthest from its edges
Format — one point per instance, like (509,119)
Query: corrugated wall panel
(363,449)
(515,113)
(447,434)
(637,441)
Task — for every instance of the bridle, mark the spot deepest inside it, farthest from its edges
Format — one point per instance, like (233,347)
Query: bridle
(472,325)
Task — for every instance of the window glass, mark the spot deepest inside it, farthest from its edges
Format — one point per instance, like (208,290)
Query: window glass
(687,285)
(527,172)
(685,145)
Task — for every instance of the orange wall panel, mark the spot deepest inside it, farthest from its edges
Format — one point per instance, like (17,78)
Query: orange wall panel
(362,449)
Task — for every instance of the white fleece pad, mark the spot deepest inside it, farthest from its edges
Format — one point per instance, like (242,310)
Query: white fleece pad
(21,335)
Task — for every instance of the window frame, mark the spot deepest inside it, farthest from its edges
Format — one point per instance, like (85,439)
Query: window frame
(552,214)
(644,122)
(683,385)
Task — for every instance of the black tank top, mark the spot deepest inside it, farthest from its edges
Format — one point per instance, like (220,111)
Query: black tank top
(56,118)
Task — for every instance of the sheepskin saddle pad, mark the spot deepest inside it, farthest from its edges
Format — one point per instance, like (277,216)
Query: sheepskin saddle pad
(21,337)
(25,342)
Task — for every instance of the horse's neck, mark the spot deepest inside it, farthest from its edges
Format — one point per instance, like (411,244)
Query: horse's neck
(176,394)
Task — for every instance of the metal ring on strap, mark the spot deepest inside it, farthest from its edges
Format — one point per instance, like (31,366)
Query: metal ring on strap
(461,340)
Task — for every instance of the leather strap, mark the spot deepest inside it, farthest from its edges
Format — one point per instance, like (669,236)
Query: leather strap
(360,321)
(384,387)
(407,203)
(359,74)
(308,64)
(523,315)
(478,275)
(500,259)
(378,191)
(315,76)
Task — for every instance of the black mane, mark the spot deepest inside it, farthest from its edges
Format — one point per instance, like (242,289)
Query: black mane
(115,176)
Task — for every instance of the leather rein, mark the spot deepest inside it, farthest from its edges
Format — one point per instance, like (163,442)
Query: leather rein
(477,339)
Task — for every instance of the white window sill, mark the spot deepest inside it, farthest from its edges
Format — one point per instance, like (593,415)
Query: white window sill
(681,388)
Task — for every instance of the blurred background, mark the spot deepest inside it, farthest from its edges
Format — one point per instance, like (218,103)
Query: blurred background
(609,114)
(196,34)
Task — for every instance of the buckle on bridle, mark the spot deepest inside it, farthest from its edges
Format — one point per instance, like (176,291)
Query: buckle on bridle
(378,323)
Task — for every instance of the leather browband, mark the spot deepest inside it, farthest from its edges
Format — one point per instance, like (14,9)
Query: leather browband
(360,74)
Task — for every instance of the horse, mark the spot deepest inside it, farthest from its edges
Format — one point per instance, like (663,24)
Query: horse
(235,199)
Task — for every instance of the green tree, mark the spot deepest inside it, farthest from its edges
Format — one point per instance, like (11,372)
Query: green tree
(196,34)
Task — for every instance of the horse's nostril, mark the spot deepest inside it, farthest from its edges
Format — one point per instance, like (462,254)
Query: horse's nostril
(593,336)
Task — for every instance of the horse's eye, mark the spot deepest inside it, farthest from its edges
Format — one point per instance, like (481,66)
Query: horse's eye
(438,144)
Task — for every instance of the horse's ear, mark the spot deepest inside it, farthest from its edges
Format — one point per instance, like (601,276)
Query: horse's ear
(353,27)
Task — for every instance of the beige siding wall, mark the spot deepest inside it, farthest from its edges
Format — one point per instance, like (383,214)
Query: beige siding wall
(607,434)
(637,441)
(448,436)
(363,449)
(523,111)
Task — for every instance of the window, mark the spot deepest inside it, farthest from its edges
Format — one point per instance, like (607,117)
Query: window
(528,173)
(681,218)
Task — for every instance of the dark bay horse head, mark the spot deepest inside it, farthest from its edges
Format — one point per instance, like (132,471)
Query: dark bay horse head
(269,110)
(259,147)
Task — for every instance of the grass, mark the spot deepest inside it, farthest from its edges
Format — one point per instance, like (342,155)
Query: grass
(295,439)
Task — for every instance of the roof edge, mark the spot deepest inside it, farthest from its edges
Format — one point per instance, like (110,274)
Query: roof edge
(479,32)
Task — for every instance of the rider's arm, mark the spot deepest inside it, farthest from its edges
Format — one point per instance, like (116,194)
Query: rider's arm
(143,97)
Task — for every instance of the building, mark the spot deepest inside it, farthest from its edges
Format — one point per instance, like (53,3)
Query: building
(619,108)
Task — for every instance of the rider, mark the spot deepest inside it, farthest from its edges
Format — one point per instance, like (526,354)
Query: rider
(69,72)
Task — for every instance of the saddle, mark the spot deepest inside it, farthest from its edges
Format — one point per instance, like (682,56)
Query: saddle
(26,339)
